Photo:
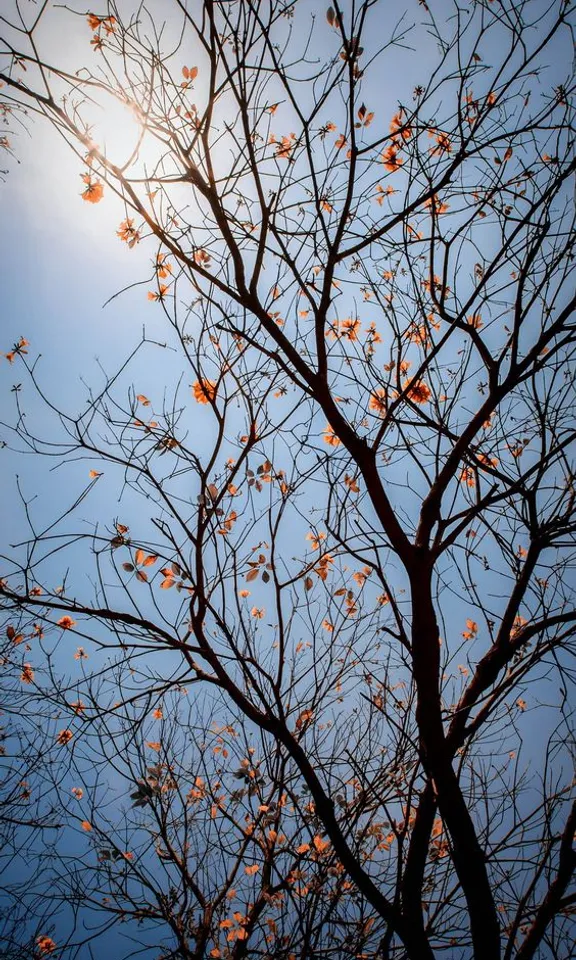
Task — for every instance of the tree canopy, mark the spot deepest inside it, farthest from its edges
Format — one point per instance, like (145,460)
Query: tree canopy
(289,674)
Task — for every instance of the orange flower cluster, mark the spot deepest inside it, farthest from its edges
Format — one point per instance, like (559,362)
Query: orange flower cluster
(127,232)
(348,329)
(378,402)
(97,24)
(443,143)
(284,147)
(417,391)
(27,675)
(330,437)
(204,390)
(45,944)
(94,190)
(66,623)
(401,133)
(18,349)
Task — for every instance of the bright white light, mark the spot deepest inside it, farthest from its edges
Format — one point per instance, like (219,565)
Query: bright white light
(117,132)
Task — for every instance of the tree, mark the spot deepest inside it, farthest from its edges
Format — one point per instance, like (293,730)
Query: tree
(319,703)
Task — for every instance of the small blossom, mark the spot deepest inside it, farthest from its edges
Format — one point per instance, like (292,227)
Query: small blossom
(66,623)
(204,390)
(94,190)
(27,675)
(391,159)
(417,391)
(45,944)
(378,402)
(127,233)
(330,437)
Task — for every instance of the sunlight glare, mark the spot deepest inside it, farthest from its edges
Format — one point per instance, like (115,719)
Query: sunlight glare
(117,131)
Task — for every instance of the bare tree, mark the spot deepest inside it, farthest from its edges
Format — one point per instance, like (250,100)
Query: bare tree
(319,701)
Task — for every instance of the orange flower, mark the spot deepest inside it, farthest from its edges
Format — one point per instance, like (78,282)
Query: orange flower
(66,623)
(519,622)
(315,539)
(64,737)
(436,205)
(349,328)
(18,349)
(94,189)
(204,390)
(86,825)
(320,845)
(443,144)
(162,267)
(158,295)
(475,321)
(390,158)
(378,401)
(399,128)
(467,476)
(77,792)
(45,944)
(330,437)
(285,147)
(27,675)
(257,612)
(372,335)
(417,391)
(127,233)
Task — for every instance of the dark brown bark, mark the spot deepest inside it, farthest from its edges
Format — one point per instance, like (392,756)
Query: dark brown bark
(436,757)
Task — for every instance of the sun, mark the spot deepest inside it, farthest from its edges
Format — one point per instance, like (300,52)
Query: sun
(118,133)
